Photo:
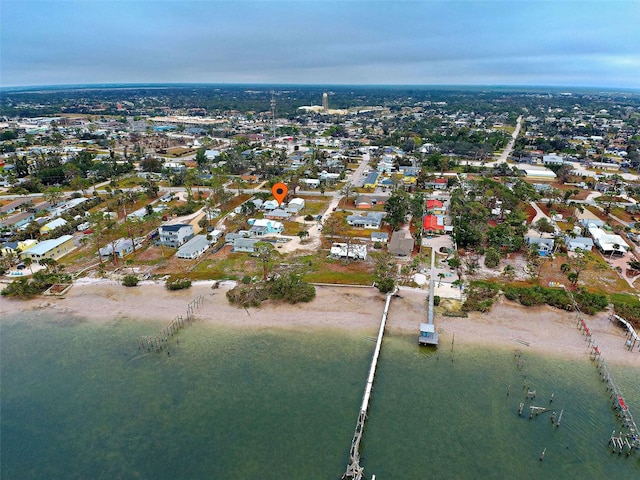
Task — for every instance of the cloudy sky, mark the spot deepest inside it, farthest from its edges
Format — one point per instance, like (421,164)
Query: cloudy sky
(472,42)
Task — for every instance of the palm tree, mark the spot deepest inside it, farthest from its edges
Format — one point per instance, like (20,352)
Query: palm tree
(440,277)
(27,262)
(615,249)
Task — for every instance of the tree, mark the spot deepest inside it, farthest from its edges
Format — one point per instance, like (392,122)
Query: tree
(386,273)
(615,249)
(27,262)
(397,208)
(332,225)
(346,190)
(492,258)
(544,226)
(440,277)
(264,251)
(509,272)
(201,158)
(53,195)
(302,234)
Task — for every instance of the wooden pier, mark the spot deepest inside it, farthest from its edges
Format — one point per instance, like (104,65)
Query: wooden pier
(158,343)
(428,334)
(354,470)
(631,438)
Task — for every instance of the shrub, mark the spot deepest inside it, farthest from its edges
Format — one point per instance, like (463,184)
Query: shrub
(436,300)
(130,281)
(308,218)
(386,285)
(246,279)
(492,258)
(178,284)
(292,289)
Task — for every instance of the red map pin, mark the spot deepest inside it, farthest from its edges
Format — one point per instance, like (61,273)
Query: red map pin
(279,191)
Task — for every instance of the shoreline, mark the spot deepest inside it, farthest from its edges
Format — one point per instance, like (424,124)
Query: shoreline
(544,330)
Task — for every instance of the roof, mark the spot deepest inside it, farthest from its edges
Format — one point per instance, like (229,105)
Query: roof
(174,228)
(196,244)
(44,247)
(120,244)
(371,178)
(433,222)
(58,222)
(434,204)
(401,242)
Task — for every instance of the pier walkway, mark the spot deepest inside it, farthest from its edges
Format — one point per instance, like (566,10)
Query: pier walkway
(354,470)
(628,440)
(428,334)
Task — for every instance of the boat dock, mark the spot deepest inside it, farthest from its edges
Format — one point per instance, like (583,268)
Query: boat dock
(428,334)
(354,470)
(632,336)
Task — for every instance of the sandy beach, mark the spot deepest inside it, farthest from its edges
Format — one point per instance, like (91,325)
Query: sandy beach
(537,329)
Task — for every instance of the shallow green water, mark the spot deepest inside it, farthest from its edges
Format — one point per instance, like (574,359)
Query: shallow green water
(79,401)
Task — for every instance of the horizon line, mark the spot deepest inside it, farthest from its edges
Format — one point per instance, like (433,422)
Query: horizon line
(106,85)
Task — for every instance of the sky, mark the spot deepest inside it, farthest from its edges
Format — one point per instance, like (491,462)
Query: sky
(435,42)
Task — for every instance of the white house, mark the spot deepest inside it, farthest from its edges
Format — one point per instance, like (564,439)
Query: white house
(175,236)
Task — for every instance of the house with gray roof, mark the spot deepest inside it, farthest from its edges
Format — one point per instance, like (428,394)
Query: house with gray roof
(401,243)
(194,247)
(245,245)
(368,220)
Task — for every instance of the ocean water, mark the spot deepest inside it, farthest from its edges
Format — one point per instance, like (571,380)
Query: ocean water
(79,401)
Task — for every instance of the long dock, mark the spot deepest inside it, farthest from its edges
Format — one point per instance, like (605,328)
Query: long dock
(354,470)
(630,439)
(428,334)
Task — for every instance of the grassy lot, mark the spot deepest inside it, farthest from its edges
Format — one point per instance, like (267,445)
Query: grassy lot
(315,207)
(130,182)
(598,277)
(321,269)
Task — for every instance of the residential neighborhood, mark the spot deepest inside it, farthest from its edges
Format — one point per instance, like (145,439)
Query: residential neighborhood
(494,195)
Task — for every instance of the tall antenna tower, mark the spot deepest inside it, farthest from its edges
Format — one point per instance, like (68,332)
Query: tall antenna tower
(273,118)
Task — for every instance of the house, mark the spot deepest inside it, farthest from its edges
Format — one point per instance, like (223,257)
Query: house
(343,250)
(52,225)
(258,231)
(215,235)
(245,245)
(122,247)
(175,236)
(295,205)
(17,221)
(608,243)
(272,225)
(436,206)
(370,201)
(270,205)
(277,214)
(545,245)
(437,184)
(194,247)
(55,248)
(381,237)
(367,220)
(583,243)
(9,208)
(311,182)
(433,224)
(401,243)
(372,180)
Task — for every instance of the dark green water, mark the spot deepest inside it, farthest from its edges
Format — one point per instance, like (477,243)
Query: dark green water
(79,402)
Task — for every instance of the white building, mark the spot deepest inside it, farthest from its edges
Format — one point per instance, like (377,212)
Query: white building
(343,250)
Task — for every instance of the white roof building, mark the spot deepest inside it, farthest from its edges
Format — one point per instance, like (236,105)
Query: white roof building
(342,250)
(607,242)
